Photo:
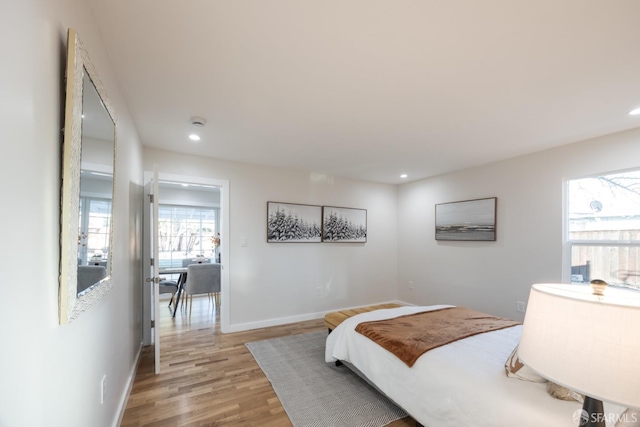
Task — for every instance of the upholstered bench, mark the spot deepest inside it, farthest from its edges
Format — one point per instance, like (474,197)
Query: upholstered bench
(332,320)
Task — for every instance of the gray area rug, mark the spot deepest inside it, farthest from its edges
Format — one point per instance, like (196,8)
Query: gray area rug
(319,394)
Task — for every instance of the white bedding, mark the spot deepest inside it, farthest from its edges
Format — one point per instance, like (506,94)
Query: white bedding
(461,384)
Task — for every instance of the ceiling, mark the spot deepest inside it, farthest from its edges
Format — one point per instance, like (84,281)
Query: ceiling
(371,89)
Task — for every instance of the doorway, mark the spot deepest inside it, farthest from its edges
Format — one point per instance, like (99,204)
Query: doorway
(177,189)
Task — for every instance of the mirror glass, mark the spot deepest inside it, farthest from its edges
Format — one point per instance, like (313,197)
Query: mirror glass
(96,188)
(88,170)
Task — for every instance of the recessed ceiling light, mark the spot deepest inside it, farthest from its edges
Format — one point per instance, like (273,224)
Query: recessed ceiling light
(194,137)
(635,112)
(404,175)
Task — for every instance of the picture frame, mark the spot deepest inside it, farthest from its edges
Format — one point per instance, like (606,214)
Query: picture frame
(293,223)
(468,220)
(344,225)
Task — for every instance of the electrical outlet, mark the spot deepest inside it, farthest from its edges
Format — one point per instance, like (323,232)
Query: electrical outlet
(520,306)
(103,388)
(410,284)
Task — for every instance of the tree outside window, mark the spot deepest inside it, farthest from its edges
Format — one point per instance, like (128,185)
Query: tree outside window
(185,232)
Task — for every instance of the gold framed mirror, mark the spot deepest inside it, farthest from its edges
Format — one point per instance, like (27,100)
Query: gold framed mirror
(88,171)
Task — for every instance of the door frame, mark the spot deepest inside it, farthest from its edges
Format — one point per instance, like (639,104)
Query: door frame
(224,240)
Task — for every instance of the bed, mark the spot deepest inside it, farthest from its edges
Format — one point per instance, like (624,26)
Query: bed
(458,384)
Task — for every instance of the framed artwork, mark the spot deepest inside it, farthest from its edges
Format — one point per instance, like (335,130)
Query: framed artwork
(344,225)
(467,220)
(293,223)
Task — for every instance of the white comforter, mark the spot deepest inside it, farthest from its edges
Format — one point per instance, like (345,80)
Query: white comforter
(462,384)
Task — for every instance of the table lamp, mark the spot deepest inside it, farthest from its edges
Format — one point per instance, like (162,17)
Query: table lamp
(587,340)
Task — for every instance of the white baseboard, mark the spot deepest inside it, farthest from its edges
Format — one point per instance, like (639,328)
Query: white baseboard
(239,327)
(404,303)
(125,396)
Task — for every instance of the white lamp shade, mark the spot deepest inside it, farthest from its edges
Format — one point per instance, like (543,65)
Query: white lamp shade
(587,343)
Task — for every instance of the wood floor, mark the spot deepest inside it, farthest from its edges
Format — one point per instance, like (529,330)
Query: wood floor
(208,378)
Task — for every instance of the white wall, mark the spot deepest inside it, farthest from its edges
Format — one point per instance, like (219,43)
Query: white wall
(277,282)
(492,276)
(51,373)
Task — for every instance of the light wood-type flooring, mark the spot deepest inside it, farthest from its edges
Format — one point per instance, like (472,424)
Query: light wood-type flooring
(208,378)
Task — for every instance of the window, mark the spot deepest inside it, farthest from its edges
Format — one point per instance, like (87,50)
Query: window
(603,225)
(94,223)
(186,231)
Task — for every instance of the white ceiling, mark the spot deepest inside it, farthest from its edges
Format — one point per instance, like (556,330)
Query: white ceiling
(370,89)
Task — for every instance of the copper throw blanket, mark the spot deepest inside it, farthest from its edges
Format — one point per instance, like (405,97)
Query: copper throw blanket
(410,336)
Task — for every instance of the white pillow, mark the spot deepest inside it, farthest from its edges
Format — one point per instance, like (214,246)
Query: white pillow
(516,369)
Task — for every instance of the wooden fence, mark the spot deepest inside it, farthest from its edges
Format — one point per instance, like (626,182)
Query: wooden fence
(618,265)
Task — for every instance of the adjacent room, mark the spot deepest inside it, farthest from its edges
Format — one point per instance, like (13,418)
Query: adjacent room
(240,213)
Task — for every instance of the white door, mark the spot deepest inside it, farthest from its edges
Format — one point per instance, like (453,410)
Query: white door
(151,260)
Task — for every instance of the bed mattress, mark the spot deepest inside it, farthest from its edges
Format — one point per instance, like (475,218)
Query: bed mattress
(459,384)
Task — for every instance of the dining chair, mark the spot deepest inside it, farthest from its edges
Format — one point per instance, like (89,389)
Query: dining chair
(188,261)
(168,287)
(185,263)
(202,279)
(89,275)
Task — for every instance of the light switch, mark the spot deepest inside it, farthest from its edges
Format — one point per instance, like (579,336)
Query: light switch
(243,242)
